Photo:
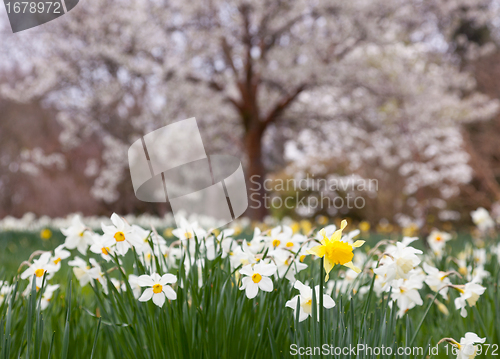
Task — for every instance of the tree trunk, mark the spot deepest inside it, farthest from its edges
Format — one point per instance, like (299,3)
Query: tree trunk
(481,167)
(255,175)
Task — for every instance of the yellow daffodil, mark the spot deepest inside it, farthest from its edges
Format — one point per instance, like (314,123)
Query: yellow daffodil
(306,226)
(46,234)
(335,251)
(364,226)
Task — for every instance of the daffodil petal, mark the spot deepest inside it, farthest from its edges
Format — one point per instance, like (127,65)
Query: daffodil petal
(350,265)
(343,224)
(318,250)
(328,267)
(336,236)
(358,244)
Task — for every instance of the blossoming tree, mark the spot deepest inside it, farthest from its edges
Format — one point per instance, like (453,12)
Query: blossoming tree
(255,73)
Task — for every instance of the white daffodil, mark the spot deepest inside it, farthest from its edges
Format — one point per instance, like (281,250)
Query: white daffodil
(437,279)
(293,244)
(148,257)
(223,241)
(305,300)
(5,290)
(144,237)
(88,273)
(99,275)
(400,260)
(257,242)
(133,281)
(241,256)
(405,242)
(467,348)
(287,264)
(257,277)
(188,231)
(461,261)
(172,255)
(158,288)
(122,234)
(479,256)
(116,283)
(405,292)
(39,267)
(437,241)
(77,235)
(194,264)
(469,293)
(478,274)
(47,295)
(83,272)
(59,254)
(482,219)
(102,245)
(279,237)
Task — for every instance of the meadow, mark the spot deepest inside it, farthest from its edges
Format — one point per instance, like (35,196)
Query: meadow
(251,291)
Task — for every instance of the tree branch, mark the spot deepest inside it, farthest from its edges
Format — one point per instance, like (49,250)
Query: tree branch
(283,104)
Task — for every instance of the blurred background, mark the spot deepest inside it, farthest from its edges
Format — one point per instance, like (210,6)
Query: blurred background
(403,92)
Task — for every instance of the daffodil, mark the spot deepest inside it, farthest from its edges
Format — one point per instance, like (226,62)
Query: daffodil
(83,272)
(257,277)
(46,234)
(469,293)
(39,267)
(437,280)
(482,219)
(364,226)
(405,293)
(59,254)
(306,226)
(399,262)
(478,274)
(47,295)
(280,237)
(116,283)
(437,241)
(187,231)
(241,256)
(102,245)
(467,348)
(256,244)
(5,290)
(305,300)
(158,288)
(479,256)
(77,235)
(335,251)
(133,281)
(122,234)
(222,241)
(287,264)
(144,237)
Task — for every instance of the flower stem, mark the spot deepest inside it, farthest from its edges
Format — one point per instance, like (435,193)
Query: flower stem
(423,317)
(321,283)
